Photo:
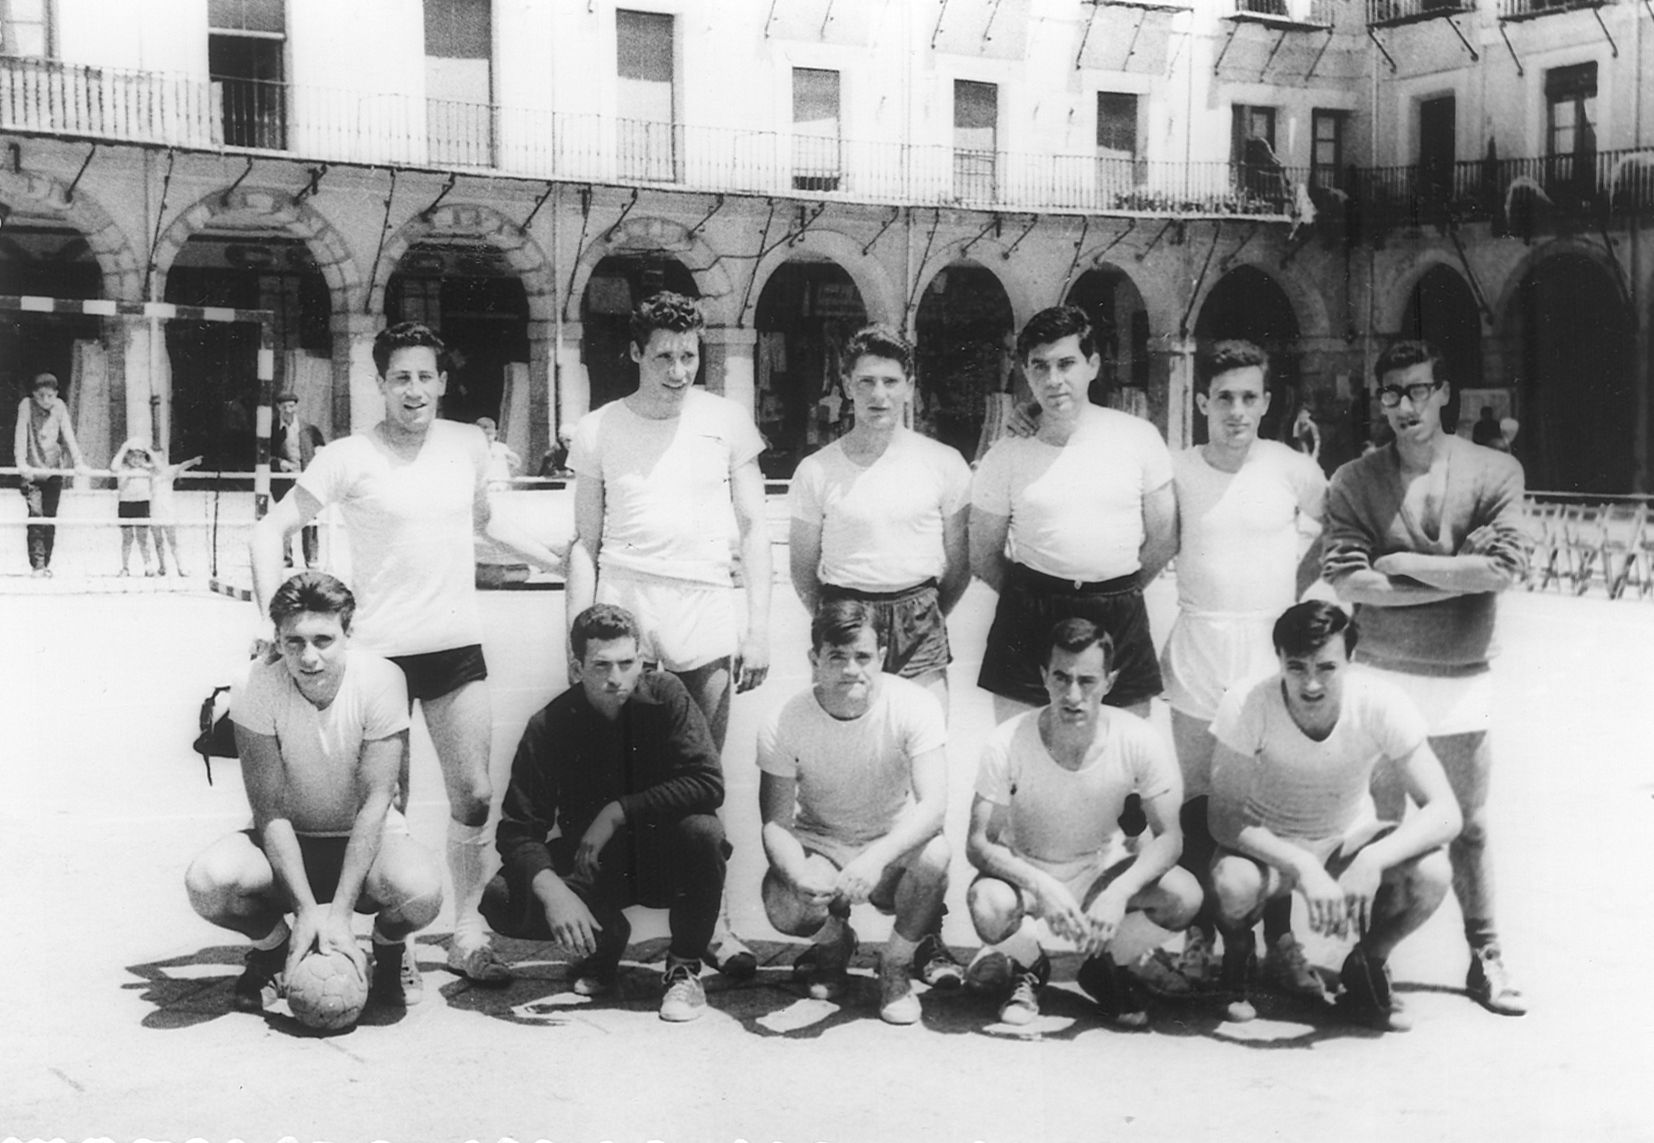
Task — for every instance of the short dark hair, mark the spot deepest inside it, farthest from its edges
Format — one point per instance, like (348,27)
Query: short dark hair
(601,622)
(675,313)
(1051,325)
(408,335)
(1305,626)
(313,591)
(878,341)
(43,381)
(1075,635)
(1405,354)
(1226,356)
(837,623)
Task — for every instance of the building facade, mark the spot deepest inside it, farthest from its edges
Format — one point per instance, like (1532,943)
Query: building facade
(1307,173)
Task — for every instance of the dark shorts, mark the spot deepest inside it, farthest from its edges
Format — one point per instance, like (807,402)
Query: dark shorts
(910,624)
(1031,603)
(432,674)
(132,509)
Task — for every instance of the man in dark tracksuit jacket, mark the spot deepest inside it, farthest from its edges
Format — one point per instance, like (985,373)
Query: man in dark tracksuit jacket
(612,803)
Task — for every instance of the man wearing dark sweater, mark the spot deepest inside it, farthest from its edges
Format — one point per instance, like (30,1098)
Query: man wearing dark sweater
(1422,536)
(621,769)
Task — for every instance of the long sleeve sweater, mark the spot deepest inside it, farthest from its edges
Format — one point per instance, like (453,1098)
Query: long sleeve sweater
(1366,520)
(657,760)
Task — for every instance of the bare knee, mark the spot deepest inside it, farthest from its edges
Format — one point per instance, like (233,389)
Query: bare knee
(469,803)
(996,908)
(1428,877)
(1473,835)
(421,903)
(1177,901)
(1237,889)
(931,863)
(788,912)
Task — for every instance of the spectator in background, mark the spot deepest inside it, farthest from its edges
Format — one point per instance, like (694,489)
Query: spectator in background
(293,445)
(45,435)
(503,461)
(163,516)
(1486,430)
(1306,435)
(134,486)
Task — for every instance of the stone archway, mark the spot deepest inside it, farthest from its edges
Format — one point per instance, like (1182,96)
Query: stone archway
(1251,305)
(880,293)
(118,261)
(478,223)
(665,239)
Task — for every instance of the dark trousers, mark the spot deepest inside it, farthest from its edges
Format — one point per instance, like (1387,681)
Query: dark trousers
(42,497)
(308,535)
(676,865)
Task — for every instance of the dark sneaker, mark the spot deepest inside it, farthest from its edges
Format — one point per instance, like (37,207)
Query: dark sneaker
(393,973)
(260,981)
(1235,979)
(1157,971)
(935,965)
(1117,995)
(595,975)
(897,1003)
(1286,968)
(1021,1006)
(1366,998)
(1489,984)
(826,968)
(990,971)
(480,965)
(684,999)
(729,954)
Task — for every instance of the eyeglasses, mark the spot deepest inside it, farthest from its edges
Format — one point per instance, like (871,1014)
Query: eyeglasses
(1390,395)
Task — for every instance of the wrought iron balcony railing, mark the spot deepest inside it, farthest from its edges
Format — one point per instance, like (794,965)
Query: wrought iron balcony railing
(1389,13)
(1532,9)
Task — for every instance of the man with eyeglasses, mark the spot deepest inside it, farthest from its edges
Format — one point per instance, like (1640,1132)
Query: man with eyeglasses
(1422,534)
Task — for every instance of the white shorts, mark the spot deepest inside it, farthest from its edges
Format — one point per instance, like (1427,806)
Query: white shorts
(685,624)
(1208,653)
(1082,874)
(1451,704)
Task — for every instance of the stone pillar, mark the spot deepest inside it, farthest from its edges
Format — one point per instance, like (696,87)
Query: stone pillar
(1180,392)
(140,387)
(731,367)
(116,337)
(542,398)
(356,400)
(574,386)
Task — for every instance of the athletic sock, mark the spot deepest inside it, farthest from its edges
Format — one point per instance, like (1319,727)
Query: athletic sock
(1022,947)
(830,932)
(1479,932)
(467,865)
(899,950)
(274,937)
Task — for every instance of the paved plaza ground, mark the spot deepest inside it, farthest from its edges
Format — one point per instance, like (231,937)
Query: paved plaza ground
(114,997)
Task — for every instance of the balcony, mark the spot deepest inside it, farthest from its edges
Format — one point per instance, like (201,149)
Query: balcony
(1394,13)
(1513,10)
(1284,14)
(335,125)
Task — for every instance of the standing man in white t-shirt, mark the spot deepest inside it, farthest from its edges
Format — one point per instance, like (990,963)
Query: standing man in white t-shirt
(1050,789)
(853,793)
(1071,521)
(1242,507)
(1292,810)
(880,515)
(666,487)
(413,493)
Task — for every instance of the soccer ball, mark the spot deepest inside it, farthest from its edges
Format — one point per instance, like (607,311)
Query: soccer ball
(326,991)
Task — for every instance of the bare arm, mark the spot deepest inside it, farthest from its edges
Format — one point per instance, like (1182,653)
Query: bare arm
(581,590)
(956,573)
(990,855)
(1159,532)
(752,661)
(1437,820)
(511,535)
(269,542)
(987,546)
(777,798)
(921,822)
(804,561)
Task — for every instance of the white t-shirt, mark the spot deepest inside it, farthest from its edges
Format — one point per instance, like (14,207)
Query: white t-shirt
(881,525)
(320,749)
(1238,532)
(1076,511)
(1301,788)
(666,484)
(1060,815)
(411,526)
(855,776)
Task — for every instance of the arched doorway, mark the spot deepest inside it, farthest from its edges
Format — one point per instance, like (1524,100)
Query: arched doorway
(1247,303)
(966,333)
(1121,322)
(48,259)
(215,390)
(1575,345)
(467,291)
(805,312)
(617,284)
(1442,311)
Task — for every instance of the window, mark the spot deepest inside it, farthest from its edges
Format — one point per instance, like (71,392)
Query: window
(459,82)
(26,28)
(244,57)
(1438,142)
(1571,127)
(648,95)
(1258,172)
(1117,166)
(1327,154)
(975,139)
(815,129)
